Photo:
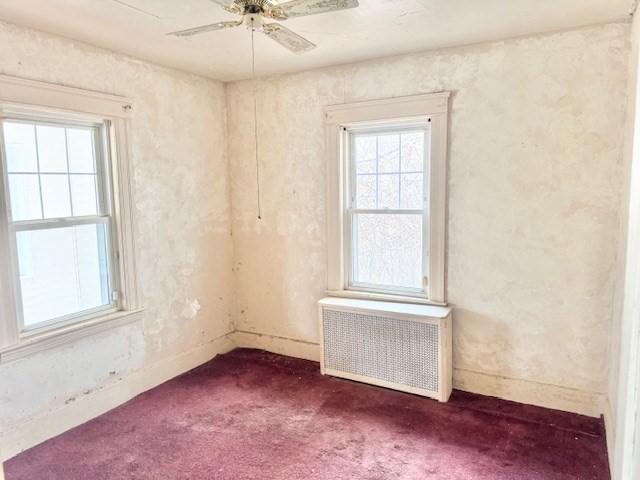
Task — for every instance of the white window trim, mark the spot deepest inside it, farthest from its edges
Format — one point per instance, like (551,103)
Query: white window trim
(434,106)
(32,98)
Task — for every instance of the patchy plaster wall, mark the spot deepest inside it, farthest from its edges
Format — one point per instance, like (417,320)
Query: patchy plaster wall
(620,397)
(183,234)
(534,194)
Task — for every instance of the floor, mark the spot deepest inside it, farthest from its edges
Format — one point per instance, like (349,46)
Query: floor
(255,415)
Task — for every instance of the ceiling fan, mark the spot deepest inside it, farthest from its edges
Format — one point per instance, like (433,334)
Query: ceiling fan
(254,13)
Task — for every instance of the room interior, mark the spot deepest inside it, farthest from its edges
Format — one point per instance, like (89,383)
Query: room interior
(319,239)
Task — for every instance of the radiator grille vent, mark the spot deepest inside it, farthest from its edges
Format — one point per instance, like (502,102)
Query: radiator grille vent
(389,349)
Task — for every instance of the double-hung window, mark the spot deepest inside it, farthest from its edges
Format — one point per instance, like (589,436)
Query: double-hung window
(58,205)
(386,198)
(66,245)
(386,212)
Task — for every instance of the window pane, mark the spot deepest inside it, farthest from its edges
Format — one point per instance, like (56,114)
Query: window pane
(52,149)
(83,192)
(24,194)
(387,250)
(413,152)
(365,154)
(389,153)
(397,171)
(388,191)
(20,144)
(411,190)
(55,196)
(80,145)
(366,191)
(63,271)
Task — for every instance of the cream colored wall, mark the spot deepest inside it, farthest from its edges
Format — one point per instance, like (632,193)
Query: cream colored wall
(183,239)
(535,184)
(623,356)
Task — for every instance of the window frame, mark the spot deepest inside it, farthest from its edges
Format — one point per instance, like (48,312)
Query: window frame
(351,209)
(104,216)
(383,115)
(43,103)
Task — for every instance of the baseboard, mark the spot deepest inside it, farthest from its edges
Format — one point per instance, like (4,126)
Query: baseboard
(56,421)
(275,344)
(523,391)
(530,392)
(610,431)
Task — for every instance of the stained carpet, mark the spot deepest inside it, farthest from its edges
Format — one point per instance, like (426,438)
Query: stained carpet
(255,415)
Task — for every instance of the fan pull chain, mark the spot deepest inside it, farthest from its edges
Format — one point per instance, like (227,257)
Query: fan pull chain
(255,116)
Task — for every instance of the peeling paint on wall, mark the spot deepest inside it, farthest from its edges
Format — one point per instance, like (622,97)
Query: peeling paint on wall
(191,308)
(182,230)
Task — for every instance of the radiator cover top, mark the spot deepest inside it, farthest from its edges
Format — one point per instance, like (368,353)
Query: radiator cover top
(387,350)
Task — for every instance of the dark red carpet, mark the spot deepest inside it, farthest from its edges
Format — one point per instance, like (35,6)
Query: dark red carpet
(254,415)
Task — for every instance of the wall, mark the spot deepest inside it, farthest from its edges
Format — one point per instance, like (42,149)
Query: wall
(183,241)
(535,187)
(625,328)
(535,182)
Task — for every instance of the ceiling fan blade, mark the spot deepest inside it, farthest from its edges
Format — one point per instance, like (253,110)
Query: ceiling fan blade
(300,8)
(287,38)
(205,28)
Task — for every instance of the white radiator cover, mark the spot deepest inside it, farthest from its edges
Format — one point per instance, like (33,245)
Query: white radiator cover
(400,346)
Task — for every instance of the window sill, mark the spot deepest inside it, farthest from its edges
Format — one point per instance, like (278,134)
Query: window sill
(396,309)
(383,297)
(66,334)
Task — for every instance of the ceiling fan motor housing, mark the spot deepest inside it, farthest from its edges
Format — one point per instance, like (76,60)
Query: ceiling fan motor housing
(253,6)
(258,7)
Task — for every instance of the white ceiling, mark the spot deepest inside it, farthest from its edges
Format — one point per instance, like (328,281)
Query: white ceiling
(377,28)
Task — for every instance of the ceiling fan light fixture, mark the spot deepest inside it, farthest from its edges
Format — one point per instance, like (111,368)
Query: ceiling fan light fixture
(253,21)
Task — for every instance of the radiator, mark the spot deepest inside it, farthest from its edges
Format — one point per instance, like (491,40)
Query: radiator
(400,346)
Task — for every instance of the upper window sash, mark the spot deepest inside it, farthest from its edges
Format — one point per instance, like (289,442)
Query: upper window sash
(101,146)
(372,128)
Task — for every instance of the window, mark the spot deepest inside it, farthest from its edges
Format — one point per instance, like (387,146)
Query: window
(66,246)
(59,219)
(387,171)
(387,208)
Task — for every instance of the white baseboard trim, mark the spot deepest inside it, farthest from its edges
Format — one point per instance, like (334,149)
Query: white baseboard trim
(530,392)
(56,421)
(282,345)
(523,391)
(610,431)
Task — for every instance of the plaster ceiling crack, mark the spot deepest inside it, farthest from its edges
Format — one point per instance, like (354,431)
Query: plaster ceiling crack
(410,12)
(137,9)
